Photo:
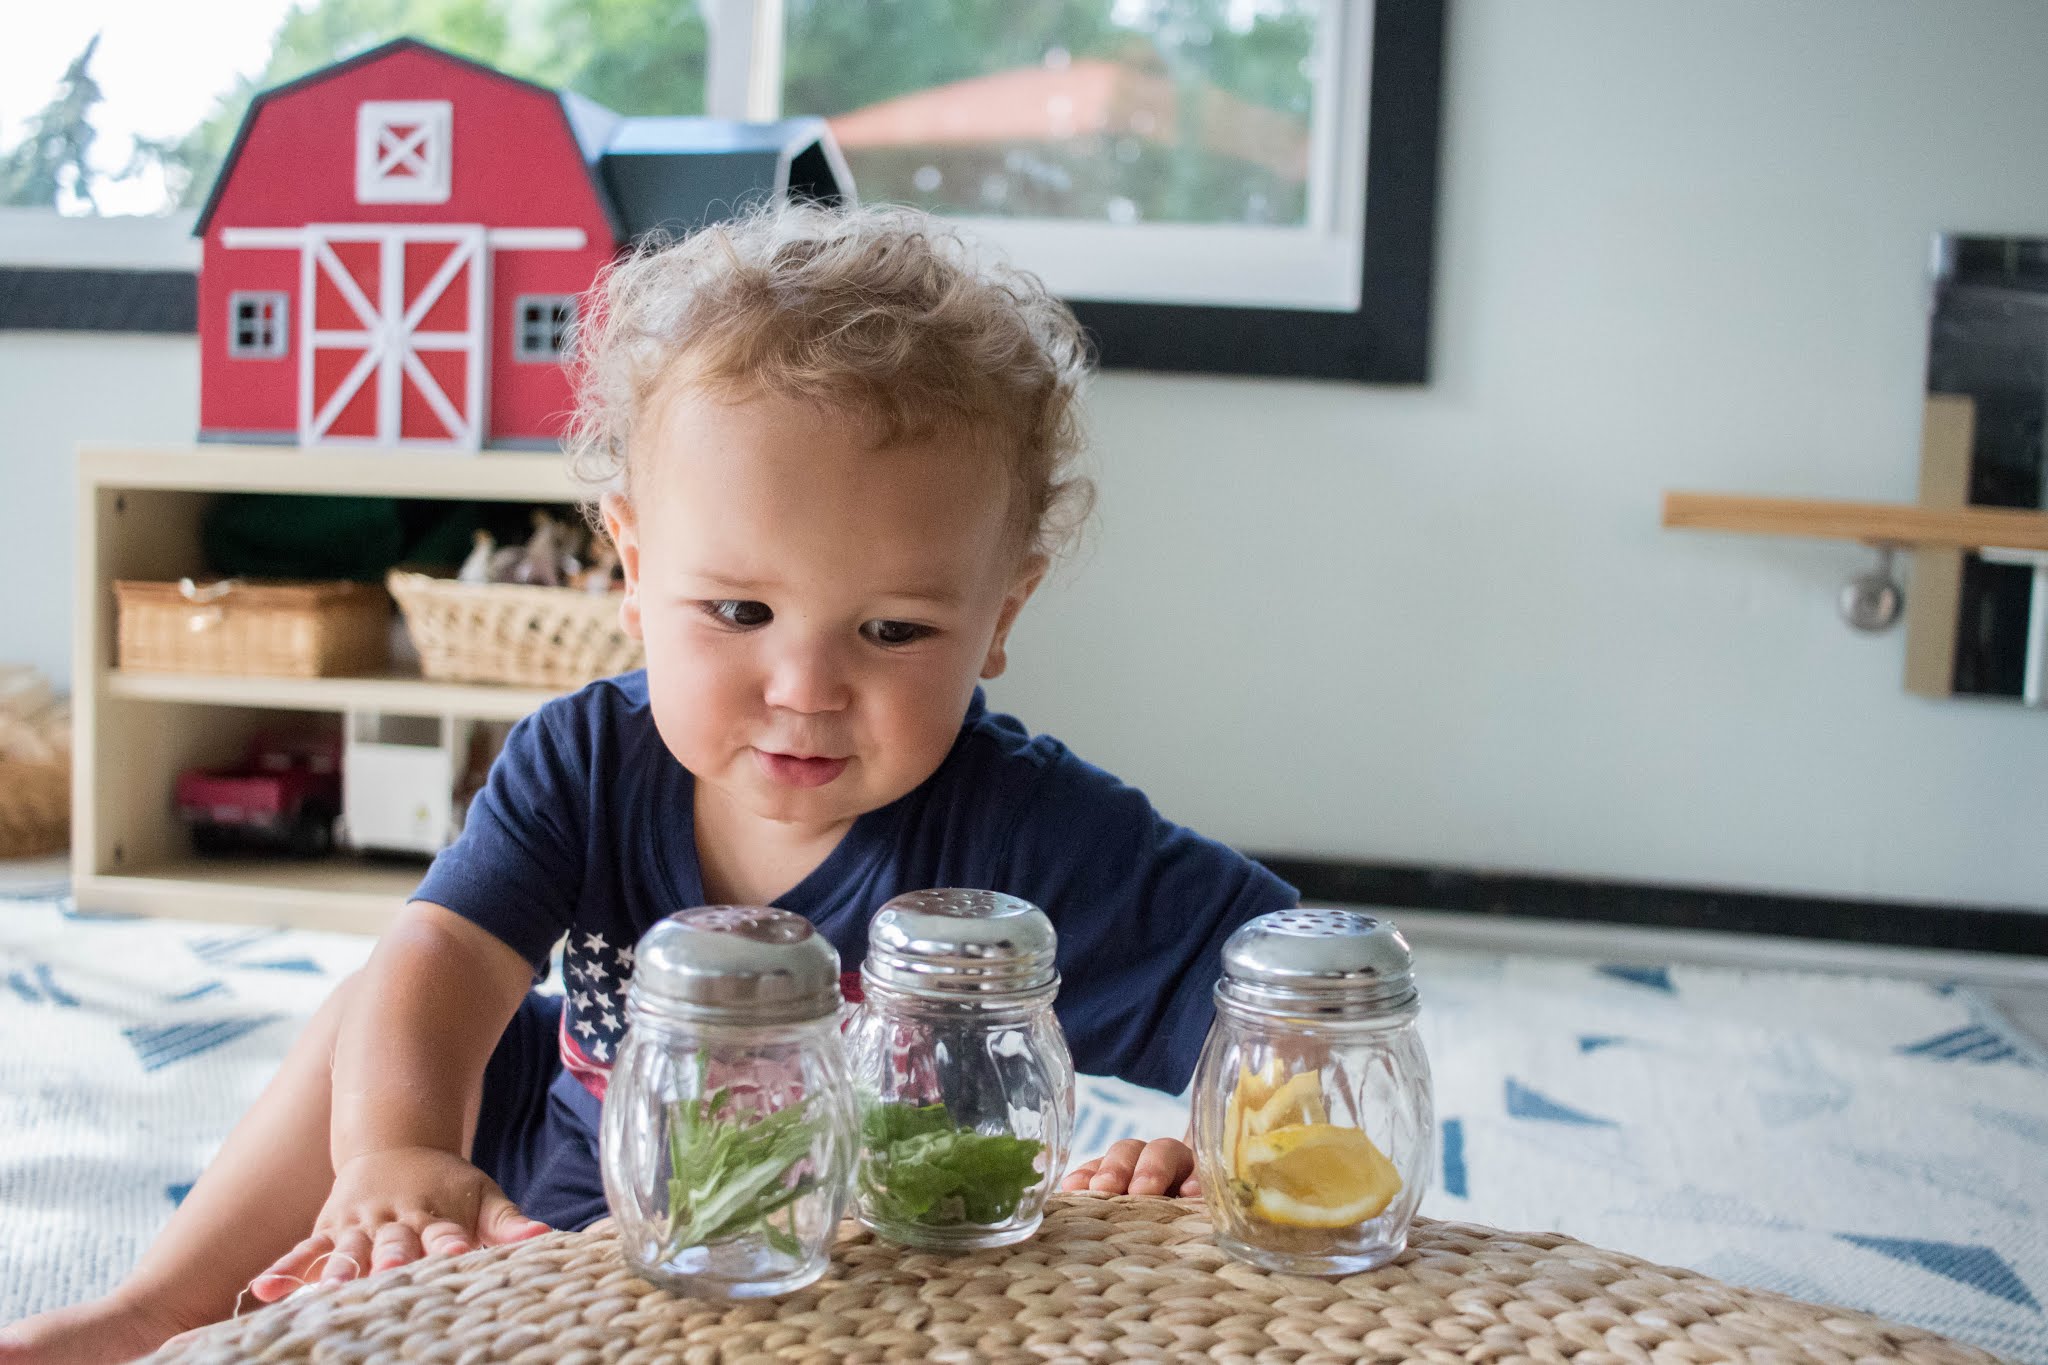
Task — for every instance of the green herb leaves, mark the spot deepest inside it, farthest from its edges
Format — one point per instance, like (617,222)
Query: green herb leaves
(918,1167)
(729,1173)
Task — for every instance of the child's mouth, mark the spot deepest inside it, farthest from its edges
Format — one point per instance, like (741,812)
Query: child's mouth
(792,770)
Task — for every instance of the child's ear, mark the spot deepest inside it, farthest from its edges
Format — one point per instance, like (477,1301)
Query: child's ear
(624,531)
(1029,575)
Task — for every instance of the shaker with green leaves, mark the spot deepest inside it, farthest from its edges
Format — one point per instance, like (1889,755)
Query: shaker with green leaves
(729,1131)
(965,1086)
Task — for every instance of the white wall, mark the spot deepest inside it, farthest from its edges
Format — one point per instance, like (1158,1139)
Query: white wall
(60,388)
(1681,245)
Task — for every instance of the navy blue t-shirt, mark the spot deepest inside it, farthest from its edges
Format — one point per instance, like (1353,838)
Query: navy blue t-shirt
(585,829)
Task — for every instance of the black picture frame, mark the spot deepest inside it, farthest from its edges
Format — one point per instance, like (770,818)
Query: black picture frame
(1386,340)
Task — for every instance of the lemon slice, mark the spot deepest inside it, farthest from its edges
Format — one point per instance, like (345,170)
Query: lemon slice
(1299,1101)
(1317,1175)
(1247,1097)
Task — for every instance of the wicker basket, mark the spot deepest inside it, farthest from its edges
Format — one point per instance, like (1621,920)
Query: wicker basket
(1129,1277)
(253,626)
(35,807)
(508,633)
(35,764)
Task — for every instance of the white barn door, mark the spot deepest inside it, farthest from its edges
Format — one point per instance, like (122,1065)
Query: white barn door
(395,321)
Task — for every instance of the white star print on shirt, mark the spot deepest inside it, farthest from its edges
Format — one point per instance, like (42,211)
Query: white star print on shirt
(594,943)
(608,1020)
(583,1027)
(625,957)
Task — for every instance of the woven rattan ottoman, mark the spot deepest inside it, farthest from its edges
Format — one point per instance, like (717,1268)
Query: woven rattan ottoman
(1126,1278)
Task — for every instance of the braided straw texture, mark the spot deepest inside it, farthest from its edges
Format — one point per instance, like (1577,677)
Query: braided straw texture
(1124,1278)
(513,633)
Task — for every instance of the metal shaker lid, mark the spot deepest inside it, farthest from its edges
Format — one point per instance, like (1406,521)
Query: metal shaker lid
(742,964)
(1332,963)
(953,942)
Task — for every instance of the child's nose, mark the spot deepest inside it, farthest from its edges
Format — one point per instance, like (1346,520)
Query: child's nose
(808,678)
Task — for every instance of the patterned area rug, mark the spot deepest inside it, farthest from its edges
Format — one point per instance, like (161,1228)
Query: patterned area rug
(1870,1142)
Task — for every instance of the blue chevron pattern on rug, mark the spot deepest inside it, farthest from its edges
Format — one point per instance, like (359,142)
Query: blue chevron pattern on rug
(1656,978)
(41,988)
(1971,1043)
(1525,1103)
(1978,1267)
(1452,1166)
(160,1045)
(1843,1139)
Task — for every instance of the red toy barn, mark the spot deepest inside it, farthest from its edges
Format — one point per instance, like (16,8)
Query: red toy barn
(392,253)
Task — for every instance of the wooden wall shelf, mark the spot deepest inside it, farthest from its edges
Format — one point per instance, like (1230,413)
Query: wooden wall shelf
(1906,525)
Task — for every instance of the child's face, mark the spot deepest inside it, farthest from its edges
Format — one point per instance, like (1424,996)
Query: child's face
(815,612)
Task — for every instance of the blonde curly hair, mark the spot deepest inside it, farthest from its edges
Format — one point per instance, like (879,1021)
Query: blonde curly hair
(883,313)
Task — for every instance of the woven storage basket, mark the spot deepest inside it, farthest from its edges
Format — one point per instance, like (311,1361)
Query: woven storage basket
(35,807)
(254,626)
(510,633)
(1124,1278)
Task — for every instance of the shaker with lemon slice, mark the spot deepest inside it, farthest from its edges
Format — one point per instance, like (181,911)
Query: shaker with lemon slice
(1313,1122)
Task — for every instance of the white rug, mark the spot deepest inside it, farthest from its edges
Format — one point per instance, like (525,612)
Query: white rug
(1875,1143)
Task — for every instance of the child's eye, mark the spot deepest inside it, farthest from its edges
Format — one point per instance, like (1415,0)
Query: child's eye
(895,632)
(738,614)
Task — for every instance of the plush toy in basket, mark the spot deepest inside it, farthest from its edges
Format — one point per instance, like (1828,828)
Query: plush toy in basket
(35,765)
(538,615)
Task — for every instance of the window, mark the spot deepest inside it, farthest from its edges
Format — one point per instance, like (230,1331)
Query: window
(1225,186)
(1121,149)
(256,325)
(402,151)
(543,323)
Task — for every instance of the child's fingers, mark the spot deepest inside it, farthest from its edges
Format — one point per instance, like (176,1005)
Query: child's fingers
(1113,1176)
(1161,1166)
(394,1244)
(1078,1178)
(1191,1188)
(446,1239)
(350,1257)
(499,1220)
(288,1271)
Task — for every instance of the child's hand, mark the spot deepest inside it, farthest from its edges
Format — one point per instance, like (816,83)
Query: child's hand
(1161,1166)
(390,1208)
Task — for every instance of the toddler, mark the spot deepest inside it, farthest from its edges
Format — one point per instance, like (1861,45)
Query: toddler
(835,453)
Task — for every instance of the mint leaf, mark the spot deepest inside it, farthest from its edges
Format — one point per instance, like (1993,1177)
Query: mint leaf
(920,1167)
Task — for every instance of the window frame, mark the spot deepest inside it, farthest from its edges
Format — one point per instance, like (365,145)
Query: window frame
(279,344)
(1384,339)
(434,122)
(520,303)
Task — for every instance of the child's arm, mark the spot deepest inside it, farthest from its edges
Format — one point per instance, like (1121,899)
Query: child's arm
(1161,1166)
(408,1074)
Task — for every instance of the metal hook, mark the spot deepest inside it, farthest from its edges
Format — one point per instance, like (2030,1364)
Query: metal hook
(1872,601)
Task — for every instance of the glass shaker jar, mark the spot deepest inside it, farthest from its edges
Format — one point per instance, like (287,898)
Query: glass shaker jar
(1314,1129)
(961,1071)
(729,1134)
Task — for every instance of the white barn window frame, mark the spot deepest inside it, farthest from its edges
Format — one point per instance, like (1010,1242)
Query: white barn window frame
(1346,297)
(405,151)
(259,324)
(542,325)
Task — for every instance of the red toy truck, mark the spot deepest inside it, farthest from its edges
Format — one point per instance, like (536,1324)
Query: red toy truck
(284,794)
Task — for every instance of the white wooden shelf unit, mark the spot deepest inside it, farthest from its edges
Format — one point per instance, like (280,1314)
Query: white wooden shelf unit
(139,514)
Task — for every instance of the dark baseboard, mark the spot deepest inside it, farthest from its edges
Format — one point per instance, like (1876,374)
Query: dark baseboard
(1961,928)
(40,299)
